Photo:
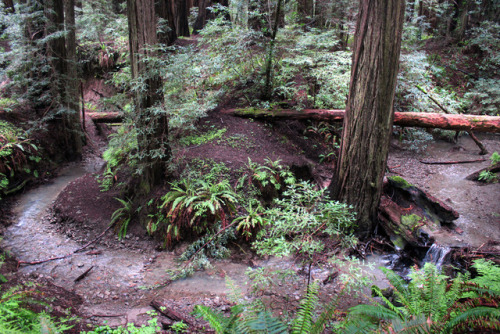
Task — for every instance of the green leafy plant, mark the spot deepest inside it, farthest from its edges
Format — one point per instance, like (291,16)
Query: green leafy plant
(18,158)
(428,304)
(179,327)
(121,217)
(151,327)
(16,317)
(250,223)
(268,179)
(194,204)
(302,214)
(487,175)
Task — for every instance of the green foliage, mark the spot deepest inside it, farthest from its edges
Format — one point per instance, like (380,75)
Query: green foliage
(151,327)
(194,205)
(200,139)
(298,217)
(179,327)
(121,217)
(119,153)
(16,317)
(488,176)
(253,221)
(265,180)
(18,157)
(429,303)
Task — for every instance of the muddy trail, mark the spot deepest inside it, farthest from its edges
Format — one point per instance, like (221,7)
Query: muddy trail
(118,279)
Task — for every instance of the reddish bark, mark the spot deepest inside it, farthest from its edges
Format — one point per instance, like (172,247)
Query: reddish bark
(406,119)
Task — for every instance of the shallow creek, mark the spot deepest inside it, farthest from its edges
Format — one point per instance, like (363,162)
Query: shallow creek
(117,277)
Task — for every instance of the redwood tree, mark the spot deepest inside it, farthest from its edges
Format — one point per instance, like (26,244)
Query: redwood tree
(151,121)
(369,113)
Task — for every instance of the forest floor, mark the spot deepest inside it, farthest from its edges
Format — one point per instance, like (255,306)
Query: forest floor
(124,276)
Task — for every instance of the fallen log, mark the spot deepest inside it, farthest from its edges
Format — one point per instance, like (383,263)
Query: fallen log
(408,119)
(410,215)
(492,169)
(105,117)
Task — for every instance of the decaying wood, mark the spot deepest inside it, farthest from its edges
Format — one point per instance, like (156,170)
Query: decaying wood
(428,162)
(105,117)
(410,215)
(171,314)
(493,169)
(408,119)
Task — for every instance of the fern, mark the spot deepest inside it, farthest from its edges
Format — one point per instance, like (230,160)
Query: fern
(304,321)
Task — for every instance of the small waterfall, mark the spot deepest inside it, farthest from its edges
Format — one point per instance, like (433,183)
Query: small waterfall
(437,255)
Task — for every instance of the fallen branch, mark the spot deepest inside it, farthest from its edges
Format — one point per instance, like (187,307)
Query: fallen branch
(492,169)
(70,254)
(95,239)
(428,162)
(82,276)
(43,261)
(171,314)
(409,119)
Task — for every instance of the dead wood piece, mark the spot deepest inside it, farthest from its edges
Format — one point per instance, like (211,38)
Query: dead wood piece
(456,122)
(171,314)
(493,169)
(105,117)
(428,162)
(84,274)
(481,146)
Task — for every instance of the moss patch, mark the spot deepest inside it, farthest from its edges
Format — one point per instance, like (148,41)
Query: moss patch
(411,221)
(399,182)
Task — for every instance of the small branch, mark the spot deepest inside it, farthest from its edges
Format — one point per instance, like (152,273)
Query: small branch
(428,162)
(95,239)
(43,261)
(82,276)
(483,149)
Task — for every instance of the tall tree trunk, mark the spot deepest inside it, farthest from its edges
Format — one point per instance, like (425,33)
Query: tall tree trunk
(269,61)
(72,81)
(151,124)
(201,19)
(165,10)
(67,118)
(182,14)
(369,114)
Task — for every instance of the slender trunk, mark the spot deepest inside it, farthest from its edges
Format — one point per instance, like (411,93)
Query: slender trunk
(269,61)
(369,114)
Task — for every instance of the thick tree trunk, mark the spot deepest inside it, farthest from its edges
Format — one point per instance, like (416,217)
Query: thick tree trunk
(62,54)
(182,14)
(406,119)
(369,115)
(165,10)
(201,19)
(152,125)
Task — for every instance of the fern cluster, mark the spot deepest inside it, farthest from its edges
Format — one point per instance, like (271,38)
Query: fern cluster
(429,303)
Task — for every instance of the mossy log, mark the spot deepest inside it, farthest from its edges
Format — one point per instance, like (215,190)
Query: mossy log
(410,215)
(105,117)
(407,119)
(492,169)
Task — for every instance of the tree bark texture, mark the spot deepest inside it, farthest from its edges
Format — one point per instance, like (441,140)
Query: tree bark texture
(62,55)
(369,115)
(182,14)
(152,126)
(165,10)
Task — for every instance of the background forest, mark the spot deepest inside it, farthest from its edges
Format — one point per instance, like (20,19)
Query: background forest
(155,89)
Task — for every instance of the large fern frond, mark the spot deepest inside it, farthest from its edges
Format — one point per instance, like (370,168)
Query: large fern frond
(263,322)
(216,320)
(303,322)
(481,317)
